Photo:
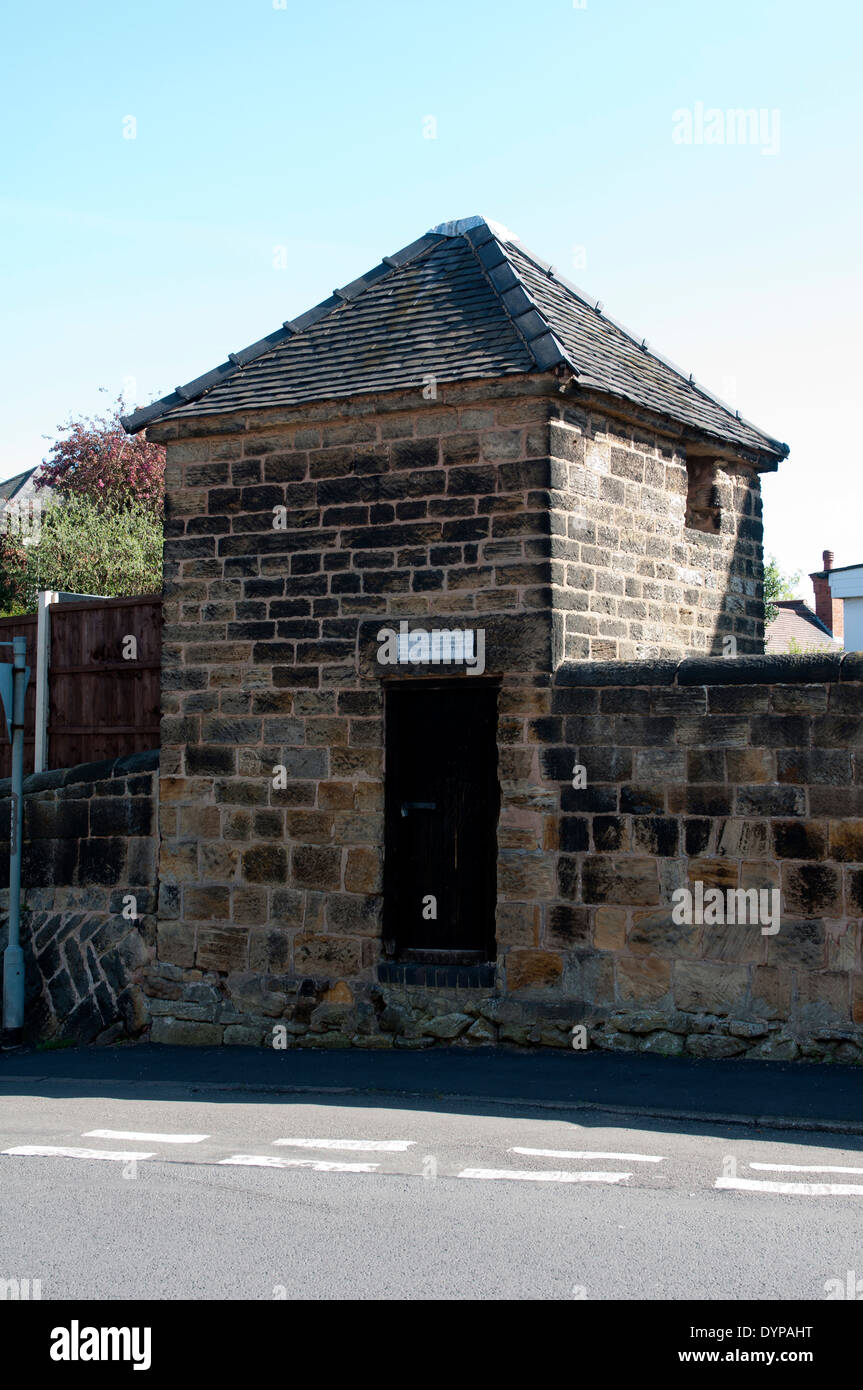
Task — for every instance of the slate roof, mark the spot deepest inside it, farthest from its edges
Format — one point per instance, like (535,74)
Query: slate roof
(796,621)
(465,301)
(13,486)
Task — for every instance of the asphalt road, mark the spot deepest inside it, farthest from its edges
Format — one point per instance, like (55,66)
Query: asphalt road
(163,1191)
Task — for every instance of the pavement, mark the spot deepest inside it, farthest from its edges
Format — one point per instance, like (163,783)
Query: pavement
(779,1095)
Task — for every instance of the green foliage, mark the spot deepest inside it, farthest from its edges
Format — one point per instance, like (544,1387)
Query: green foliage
(776,585)
(87,547)
(13,568)
(796,648)
(101,499)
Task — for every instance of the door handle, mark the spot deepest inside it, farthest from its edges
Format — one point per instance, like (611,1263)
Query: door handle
(418,806)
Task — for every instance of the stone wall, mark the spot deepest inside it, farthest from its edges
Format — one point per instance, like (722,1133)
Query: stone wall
(742,773)
(736,774)
(631,578)
(88,897)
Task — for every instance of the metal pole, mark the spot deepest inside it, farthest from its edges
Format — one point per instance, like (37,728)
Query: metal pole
(13,956)
(43,660)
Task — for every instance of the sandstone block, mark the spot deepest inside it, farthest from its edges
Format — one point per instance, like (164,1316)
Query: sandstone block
(823,997)
(656,934)
(642,979)
(620,881)
(175,943)
(327,955)
(771,992)
(715,989)
(363,872)
(526,969)
(799,943)
(314,866)
(609,929)
(222,950)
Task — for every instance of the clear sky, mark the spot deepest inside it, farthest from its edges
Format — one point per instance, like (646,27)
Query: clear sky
(282,146)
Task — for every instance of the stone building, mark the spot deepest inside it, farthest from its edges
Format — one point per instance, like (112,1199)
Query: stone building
(463,591)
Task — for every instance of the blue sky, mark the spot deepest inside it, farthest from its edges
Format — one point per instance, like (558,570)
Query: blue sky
(281,148)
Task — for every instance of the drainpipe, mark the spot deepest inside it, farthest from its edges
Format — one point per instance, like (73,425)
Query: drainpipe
(13,956)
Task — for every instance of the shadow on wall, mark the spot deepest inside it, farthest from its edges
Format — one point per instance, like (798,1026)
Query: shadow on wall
(89,897)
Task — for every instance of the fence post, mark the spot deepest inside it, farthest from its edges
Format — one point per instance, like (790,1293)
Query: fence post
(43,661)
(13,956)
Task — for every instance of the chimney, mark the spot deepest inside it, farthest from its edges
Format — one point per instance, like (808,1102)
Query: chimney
(827,608)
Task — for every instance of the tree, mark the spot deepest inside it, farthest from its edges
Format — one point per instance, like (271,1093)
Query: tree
(95,547)
(100,522)
(776,586)
(97,459)
(13,564)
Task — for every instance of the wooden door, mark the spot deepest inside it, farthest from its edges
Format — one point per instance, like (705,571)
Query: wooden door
(442,803)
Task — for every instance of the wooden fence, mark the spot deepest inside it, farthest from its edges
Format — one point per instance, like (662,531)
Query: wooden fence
(103,678)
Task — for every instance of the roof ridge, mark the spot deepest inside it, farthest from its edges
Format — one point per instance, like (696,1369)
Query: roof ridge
(200,386)
(518,304)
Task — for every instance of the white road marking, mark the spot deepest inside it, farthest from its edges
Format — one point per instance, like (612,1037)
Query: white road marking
(793,1189)
(142,1134)
(802,1168)
(588,1153)
(389,1146)
(523,1175)
(50,1151)
(319,1165)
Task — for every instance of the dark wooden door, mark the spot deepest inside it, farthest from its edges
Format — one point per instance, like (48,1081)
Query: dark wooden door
(442,802)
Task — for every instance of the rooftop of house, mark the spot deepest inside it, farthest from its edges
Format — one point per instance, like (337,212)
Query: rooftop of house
(13,486)
(796,627)
(846,581)
(465,301)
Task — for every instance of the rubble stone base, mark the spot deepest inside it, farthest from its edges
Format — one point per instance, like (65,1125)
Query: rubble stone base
(244,1009)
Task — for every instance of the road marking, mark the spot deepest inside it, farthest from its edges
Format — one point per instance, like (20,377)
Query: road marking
(524,1175)
(143,1135)
(793,1189)
(50,1151)
(588,1153)
(319,1165)
(802,1168)
(388,1146)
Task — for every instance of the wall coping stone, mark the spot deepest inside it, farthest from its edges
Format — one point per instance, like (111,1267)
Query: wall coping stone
(50,780)
(811,669)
